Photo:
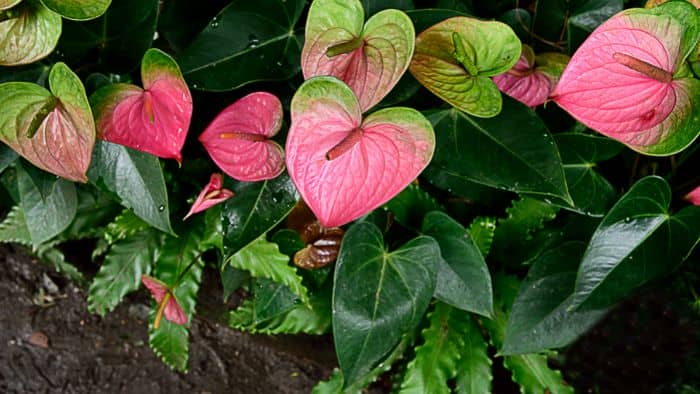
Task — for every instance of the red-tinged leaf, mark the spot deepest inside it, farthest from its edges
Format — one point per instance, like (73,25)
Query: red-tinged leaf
(167,303)
(154,119)
(238,138)
(628,79)
(370,59)
(528,83)
(694,196)
(54,131)
(345,167)
(212,194)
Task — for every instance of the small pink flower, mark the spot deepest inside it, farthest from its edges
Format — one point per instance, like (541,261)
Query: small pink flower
(167,302)
(212,194)
(694,196)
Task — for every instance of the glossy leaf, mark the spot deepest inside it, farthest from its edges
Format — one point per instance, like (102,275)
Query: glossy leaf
(49,214)
(29,32)
(79,10)
(540,318)
(344,166)
(378,296)
(639,94)
(263,260)
(637,241)
(439,356)
(238,139)
(272,299)
(154,119)
(411,205)
(455,58)
(370,59)
(212,194)
(474,368)
(134,179)
(121,271)
(244,43)
(54,131)
(463,280)
(513,151)
(119,37)
(258,207)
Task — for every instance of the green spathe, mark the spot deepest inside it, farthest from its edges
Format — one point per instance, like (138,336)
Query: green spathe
(28,32)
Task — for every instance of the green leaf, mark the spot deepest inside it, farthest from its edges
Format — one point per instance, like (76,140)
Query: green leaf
(514,232)
(13,228)
(378,296)
(134,179)
(170,340)
(232,279)
(264,260)
(79,10)
(7,157)
(424,18)
(272,299)
(46,216)
(373,6)
(179,21)
(53,257)
(540,318)
(438,358)
(257,207)
(455,59)
(244,43)
(411,205)
(637,241)
(591,192)
(121,271)
(482,231)
(120,37)
(29,32)
(513,151)
(474,368)
(463,280)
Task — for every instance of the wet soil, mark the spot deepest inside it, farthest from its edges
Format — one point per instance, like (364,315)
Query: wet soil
(50,343)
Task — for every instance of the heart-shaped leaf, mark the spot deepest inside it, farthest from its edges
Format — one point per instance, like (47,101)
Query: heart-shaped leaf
(79,10)
(632,245)
(532,78)
(344,166)
(55,132)
(28,32)
(378,296)
(154,119)
(455,58)
(370,59)
(629,81)
(238,139)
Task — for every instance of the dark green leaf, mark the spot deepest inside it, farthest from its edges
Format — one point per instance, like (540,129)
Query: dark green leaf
(540,318)
(257,207)
(463,279)
(181,20)
(373,6)
(512,151)
(232,279)
(423,19)
(378,296)
(244,43)
(637,241)
(411,205)
(134,179)
(272,299)
(7,157)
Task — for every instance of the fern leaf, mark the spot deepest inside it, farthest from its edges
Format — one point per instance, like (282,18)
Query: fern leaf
(411,205)
(474,369)
(525,216)
(437,358)
(482,230)
(264,260)
(334,384)
(14,228)
(121,271)
(124,225)
(179,265)
(55,258)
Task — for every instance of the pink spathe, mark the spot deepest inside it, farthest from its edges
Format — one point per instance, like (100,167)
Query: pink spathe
(694,196)
(524,84)
(158,289)
(212,194)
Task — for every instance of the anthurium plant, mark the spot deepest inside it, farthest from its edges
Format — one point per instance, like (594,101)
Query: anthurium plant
(440,188)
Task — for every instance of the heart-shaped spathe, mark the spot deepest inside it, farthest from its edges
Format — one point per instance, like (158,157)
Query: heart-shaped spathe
(344,166)
(629,80)
(213,193)
(154,119)
(166,300)
(370,59)
(238,138)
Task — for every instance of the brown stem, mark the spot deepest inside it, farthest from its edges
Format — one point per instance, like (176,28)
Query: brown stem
(345,145)
(643,67)
(243,136)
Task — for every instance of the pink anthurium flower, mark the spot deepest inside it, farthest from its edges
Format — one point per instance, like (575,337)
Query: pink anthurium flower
(212,194)
(694,196)
(154,119)
(370,57)
(629,79)
(238,140)
(532,78)
(344,166)
(167,302)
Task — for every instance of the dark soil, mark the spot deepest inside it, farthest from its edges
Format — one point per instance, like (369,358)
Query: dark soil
(49,343)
